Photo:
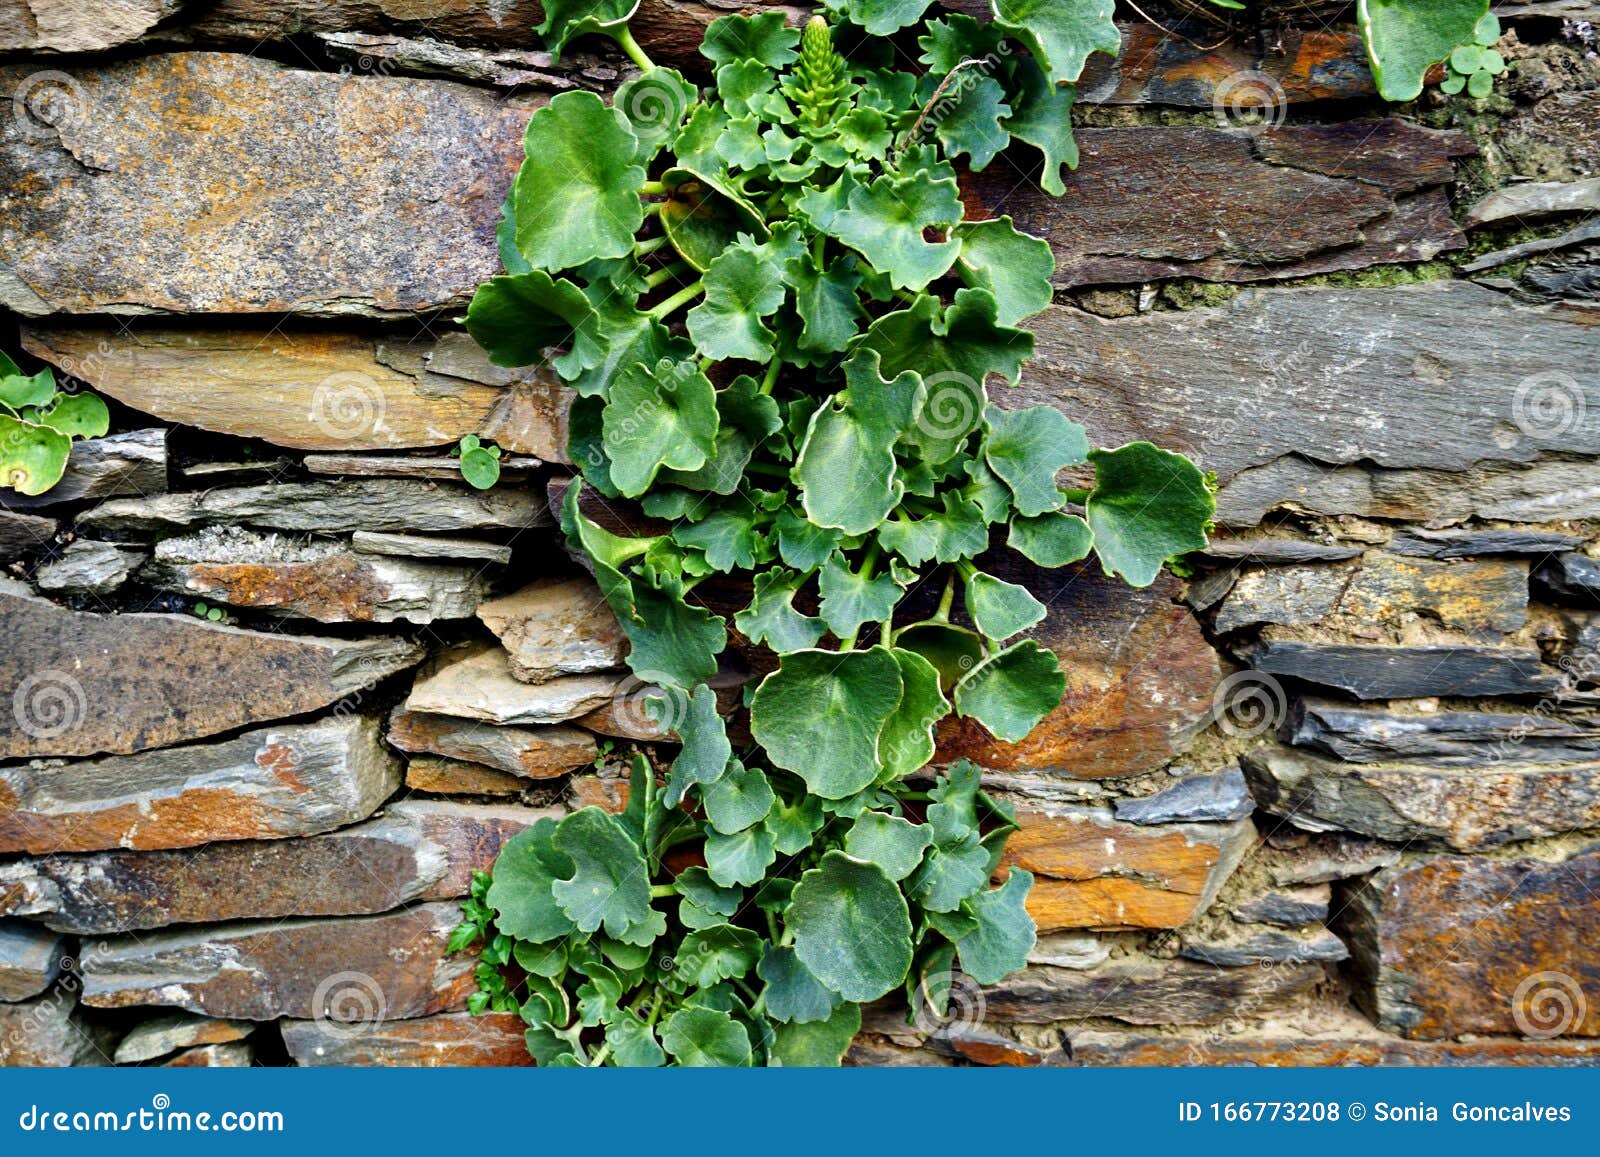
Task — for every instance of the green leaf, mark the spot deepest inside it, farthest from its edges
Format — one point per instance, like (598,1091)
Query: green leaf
(820,713)
(953,651)
(32,458)
(480,468)
(1405,39)
(948,40)
(654,104)
(884,223)
(1001,609)
(827,302)
(705,1038)
(851,927)
(971,124)
(1051,540)
(549,1047)
(671,643)
(907,744)
(577,197)
(1027,447)
(1061,33)
(661,417)
(820,1044)
(516,317)
(740,797)
(1147,505)
(731,538)
(610,883)
(697,885)
(543,960)
(529,864)
(706,750)
(77,416)
(741,858)
(894,844)
(1043,118)
(633,1043)
(741,289)
(1005,933)
(1010,692)
(745,418)
(802,544)
(1480,85)
(846,469)
(959,532)
(792,825)
(564,19)
(17,391)
(764,37)
(717,953)
(850,599)
(703,215)
(881,17)
(791,993)
(771,619)
(957,866)
(1011,265)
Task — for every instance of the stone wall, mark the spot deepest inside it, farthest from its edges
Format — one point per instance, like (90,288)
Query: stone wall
(275,682)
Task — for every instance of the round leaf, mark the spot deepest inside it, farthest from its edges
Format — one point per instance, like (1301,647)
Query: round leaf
(705,1038)
(32,458)
(851,927)
(480,468)
(894,844)
(791,992)
(1001,609)
(610,884)
(820,1044)
(1147,505)
(1004,935)
(529,864)
(820,713)
(1011,692)
(1013,266)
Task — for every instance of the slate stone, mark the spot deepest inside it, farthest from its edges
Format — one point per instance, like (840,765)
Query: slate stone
(238,1055)
(30,959)
(531,753)
(1359,1045)
(131,463)
(1530,200)
(416,546)
(1320,858)
(1069,950)
(436,775)
(1446,738)
(1288,909)
(1571,578)
(426,56)
(448,1040)
(386,504)
(1271,551)
(320,579)
(328,390)
(1468,809)
(1288,594)
(1142,991)
(418,850)
(1448,945)
(421,166)
(1421,542)
(356,968)
(78,25)
(1266,948)
(439,468)
(556,627)
(155,1038)
(1092,871)
(1588,231)
(22,533)
(292,779)
(49,1032)
(1401,672)
(87,567)
(981,1046)
(482,687)
(1217,798)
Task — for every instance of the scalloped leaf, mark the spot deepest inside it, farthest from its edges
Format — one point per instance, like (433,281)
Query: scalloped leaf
(1051,540)
(705,1038)
(740,797)
(771,618)
(851,927)
(884,222)
(742,287)
(77,416)
(661,416)
(706,750)
(709,955)
(820,713)
(528,865)
(907,743)
(1001,609)
(1026,448)
(1010,692)
(1062,34)
(973,124)
(894,844)
(1147,505)
(816,1044)
(1005,933)
(516,317)
(1013,266)
(1405,39)
(741,858)
(765,37)
(790,992)
(881,17)
(18,390)
(1043,118)
(610,883)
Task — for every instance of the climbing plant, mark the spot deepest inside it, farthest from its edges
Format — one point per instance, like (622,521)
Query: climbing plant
(38,424)
(789,347)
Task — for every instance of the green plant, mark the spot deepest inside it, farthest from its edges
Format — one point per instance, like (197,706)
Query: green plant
(38,424)
(780,329)
(480,464)
(1407,38)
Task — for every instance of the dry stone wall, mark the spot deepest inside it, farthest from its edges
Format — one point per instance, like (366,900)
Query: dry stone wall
(1332,796)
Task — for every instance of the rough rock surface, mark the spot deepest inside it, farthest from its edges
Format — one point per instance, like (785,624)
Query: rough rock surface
(235,1055)
(1266,948)
(1380,672)
(357,969)
(1358,1046)
(87,567)
(1141,991)
(448,1040)
(291,779)
(48,1031)
(535,753)
(78,25)
(415,546)
(1362,734)
(21,533)
(436,775)
(131,463)
(482,687)
(556,627)
(162,1035)
(30,959)
(1221,797)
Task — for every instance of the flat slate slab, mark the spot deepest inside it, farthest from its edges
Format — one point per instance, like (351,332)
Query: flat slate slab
(448,1040)
(30,959)
(86,683)
(482,687)
(1400,672)
(130,463)
(1362,734)
(1142,991)
(530,752)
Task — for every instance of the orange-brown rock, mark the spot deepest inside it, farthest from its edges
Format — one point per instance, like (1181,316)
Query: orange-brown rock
(1139,990)
(1091,871)
(556,627)
(1448,945)
(449,1040)
(437,775)
(1290,1051)
(530,752)
(163,1035)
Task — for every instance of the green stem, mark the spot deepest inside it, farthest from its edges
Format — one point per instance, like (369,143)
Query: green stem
(819,249)
(906,296)
(653,208)
(770,378)
(706,364)
(655,1010)
(653,189)
(772,926)
(599,1058)
(1078,496)
(645,248)
(662,891)
(683,297)
(624,38)
(869,562)
(665,274)
(946,600)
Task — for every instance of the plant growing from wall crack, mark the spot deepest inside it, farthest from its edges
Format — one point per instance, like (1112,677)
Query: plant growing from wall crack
(785,336)
(38,424)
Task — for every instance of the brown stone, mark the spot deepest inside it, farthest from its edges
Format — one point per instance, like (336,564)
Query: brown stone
(1144,991)
(531,752)
(295,779)
(404,183)
(514,469)
(84,683)
(982,1047)
(418,850)
(1094,872)
(22,533)
(1140,679)
(48,1031)
(30,959)
(1284,1050)
(1448,945)
(131,463)
(359,968)
(77,25)
(159,1036)
(556,627)
(482,687)
(437,775)
(449,1040)
(314,390)
(238,1055)
(608,794)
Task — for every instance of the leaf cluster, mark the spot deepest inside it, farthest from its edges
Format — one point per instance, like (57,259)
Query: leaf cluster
(38,424)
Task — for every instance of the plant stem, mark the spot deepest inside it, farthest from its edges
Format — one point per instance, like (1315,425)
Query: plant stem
(662,891)
(599,1058)
(770,378)
(946,600)
(653,189)
(685,295)
(819,249)
(665,274)
(653,208)
(906,296)
(645,248)
(624,38)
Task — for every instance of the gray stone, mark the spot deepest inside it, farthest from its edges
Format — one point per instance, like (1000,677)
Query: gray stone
(1198,798)
(1446,738)
(81,684)
(1079,950)
(1267,948)
(1143,991)
(1273,551)
(292,779)
(357,969)
(1571,578)
(1467,809)
(556,627)
(1322,858)
(503,68)
(1532,199)
(321,579)
(22,533)
(1420,542)
(1588,231)
(450,1039)
(328,508)
(1401,672)
(87,567)
(482,686)
(1290,909)
(131,463)
(438,468)
(418,546)
(48,1032)
(151,1039)
(30,959)
(1288,594)
(78,25)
